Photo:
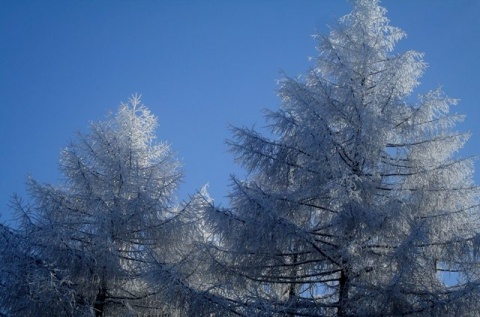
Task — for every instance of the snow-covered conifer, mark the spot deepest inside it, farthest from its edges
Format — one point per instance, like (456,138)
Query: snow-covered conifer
(100,228)
(358,203)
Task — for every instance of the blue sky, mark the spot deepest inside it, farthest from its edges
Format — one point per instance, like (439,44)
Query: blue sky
(199,65)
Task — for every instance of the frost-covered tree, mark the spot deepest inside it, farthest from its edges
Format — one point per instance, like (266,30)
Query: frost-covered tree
(358,203)
(111,222)
(112,240)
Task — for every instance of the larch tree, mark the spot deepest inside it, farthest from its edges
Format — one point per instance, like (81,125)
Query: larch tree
(98,237)
(358,202)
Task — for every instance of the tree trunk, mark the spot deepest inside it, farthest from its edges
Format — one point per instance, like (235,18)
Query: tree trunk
(292,290)
(99,305)
(291,298)
(342,293)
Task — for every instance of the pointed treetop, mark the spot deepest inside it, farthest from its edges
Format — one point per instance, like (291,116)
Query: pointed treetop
(369,17)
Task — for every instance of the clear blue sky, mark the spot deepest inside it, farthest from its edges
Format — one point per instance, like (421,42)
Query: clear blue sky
(200,65)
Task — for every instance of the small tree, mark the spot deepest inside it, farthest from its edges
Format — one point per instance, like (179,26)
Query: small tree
(358,204)
(116,206)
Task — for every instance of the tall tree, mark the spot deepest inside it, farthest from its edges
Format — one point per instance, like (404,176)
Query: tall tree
(358,204)
(115,207)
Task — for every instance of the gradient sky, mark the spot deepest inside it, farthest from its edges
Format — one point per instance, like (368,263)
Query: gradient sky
(199,65)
